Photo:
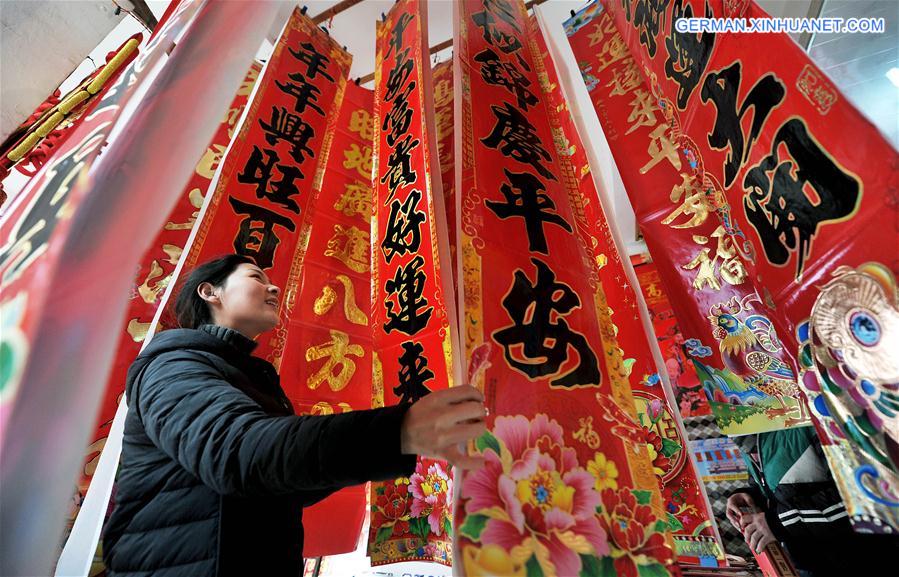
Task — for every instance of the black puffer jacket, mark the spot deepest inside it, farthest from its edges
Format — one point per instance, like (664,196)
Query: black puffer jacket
(216,468)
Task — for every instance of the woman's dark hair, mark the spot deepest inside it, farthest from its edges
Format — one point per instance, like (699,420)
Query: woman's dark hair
(191,310)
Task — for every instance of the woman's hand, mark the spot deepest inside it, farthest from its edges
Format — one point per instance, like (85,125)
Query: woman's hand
(441,423)
(736,505)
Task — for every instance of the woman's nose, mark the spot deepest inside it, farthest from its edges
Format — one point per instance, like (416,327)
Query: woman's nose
(274,290)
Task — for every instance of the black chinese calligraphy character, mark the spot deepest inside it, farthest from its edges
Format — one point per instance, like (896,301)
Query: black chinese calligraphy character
(498,73)
(399,166)
(517,138)
(538,342)
(259,172)
(400,116)
(315,62)
(289,128)
(405,293)
(396,34)
(257,238)
(788,197)
(524,199)
(486,21)
(688,54)
(305,93)
(403,234)
(398,75)
(414,373)
(648,20)
(721,88)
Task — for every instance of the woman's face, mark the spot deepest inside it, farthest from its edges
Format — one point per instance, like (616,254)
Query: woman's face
(247,302)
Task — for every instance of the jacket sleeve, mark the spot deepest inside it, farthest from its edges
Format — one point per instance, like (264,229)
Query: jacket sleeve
(219,434)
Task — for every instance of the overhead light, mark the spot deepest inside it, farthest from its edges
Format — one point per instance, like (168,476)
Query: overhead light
(893,75)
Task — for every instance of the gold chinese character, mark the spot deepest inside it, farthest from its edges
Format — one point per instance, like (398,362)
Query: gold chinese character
(325,408)
(138,330)
(326,300)
(151,287)
(336,351)
(625,80)
(444,121)
(652,291)
(173,252)
(359,159)
(350,246)
(731,270)
(210,161)
(600,29)
(196,200)
(660,147)
(695,205)
(360,123)
(247,87)
(355,200)
(443,93)
(612,51)
(642,111)
(231,118)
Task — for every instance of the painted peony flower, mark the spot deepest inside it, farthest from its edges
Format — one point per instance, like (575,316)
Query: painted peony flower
(535,497)
(432,493)
(393,506)
(631,527)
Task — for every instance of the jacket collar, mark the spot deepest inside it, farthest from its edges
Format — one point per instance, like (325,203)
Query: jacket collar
(232,337)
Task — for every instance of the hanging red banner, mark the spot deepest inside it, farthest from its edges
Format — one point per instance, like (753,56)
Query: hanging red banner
(687,512)
(560,493)
(733,345)
(154,275)
(413,307)
(326,366)
(264,199)
(775,138)
(690,399)
(443,121)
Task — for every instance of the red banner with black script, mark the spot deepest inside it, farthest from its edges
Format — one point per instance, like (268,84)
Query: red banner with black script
(264,199)
(793,159)
(413,310)
(326,366)
(701,260)
(687,513)
(567,472)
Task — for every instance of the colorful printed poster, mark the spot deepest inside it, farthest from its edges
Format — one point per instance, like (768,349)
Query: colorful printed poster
(327,366)
(718,459)
(793,159)
(568,485)
(737,354)
(264,199)
(413,310)
(690,398)
(688,514)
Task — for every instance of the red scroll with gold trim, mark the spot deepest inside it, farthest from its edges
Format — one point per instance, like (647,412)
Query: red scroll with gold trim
(154,275)
(568,486)
(733,345)
(327,361)
(793,159)
(687,513)
(413,310)
(263,202)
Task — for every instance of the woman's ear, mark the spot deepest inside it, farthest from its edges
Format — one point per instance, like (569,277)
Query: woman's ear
(207,292)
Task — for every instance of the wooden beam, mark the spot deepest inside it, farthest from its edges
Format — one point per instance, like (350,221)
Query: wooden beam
(447,43)
(334,10)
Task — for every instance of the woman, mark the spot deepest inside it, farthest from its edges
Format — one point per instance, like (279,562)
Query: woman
(216,468)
